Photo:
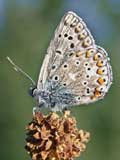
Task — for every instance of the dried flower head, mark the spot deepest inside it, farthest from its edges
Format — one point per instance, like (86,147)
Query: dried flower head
(50,137)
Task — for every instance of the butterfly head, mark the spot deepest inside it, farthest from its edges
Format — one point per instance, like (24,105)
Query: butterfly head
(32,91)
(41,96)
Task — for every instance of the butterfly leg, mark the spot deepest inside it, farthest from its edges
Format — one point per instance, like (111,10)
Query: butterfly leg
(35,110)
(65,109)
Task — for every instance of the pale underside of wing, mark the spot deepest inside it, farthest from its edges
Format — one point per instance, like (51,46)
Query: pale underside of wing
(75,62)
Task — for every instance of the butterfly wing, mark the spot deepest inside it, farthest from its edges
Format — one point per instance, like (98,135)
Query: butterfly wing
(76,64)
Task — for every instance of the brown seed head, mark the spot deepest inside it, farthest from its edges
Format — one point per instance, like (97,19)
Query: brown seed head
(50,137)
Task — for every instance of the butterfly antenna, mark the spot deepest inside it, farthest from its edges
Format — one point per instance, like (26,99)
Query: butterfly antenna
(18,69)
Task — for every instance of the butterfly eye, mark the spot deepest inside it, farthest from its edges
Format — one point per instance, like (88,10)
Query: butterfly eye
(77,62)
(55,77)
(32,91)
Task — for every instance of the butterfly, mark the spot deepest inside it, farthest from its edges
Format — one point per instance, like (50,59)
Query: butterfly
(75,70)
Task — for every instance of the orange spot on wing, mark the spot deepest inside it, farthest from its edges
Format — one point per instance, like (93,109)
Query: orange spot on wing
(90,52)
(97,93)
(100,80)
(79,54)
(100,71)
(100,63)
(96,57)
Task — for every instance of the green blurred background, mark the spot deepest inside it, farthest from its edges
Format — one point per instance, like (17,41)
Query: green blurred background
(26,27)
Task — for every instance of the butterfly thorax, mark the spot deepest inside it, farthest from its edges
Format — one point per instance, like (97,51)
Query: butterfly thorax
(55,98)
